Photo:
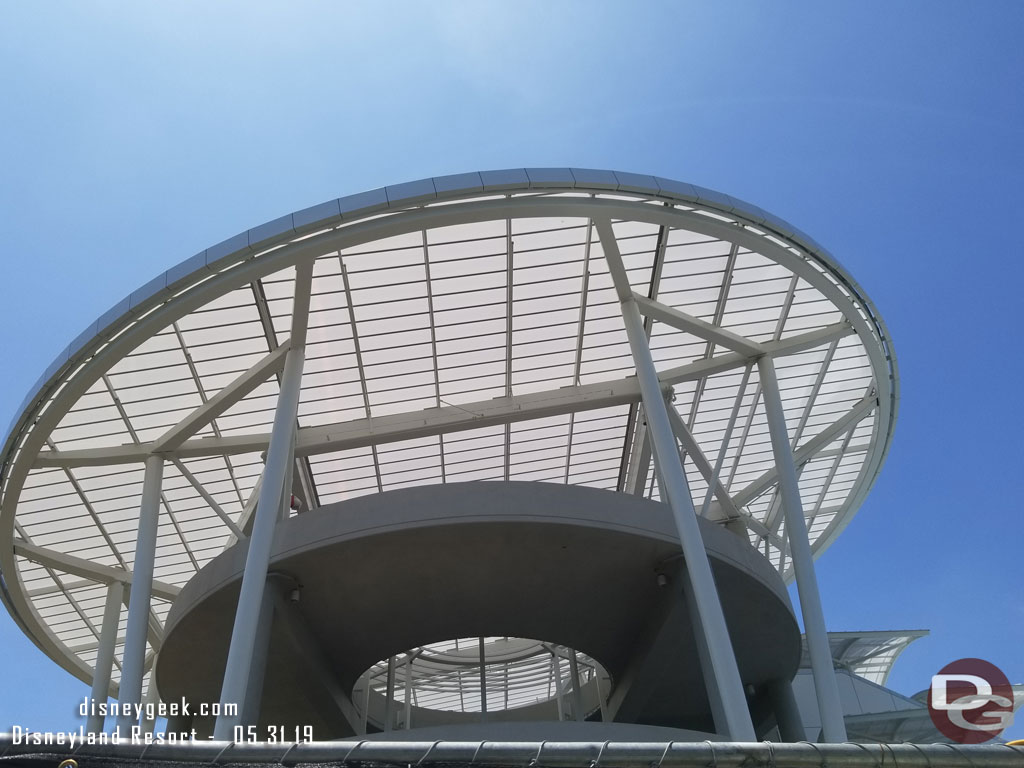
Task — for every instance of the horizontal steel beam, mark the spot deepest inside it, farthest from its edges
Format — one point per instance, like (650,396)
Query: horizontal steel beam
(360,433)
(699,328)
(809,449)
(224,399)
(56,589)
(87,569)
(91,645)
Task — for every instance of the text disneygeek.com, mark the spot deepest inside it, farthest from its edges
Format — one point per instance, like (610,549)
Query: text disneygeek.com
(151,711)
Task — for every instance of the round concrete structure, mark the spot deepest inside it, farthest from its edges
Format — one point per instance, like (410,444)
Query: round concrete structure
(574,566)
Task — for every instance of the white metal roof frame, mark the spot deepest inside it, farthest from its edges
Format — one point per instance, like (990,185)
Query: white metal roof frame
(390,212)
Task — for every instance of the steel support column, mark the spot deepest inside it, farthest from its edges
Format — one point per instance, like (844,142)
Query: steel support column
(366,705)
(600,696)
(249,710)
(389,696)
(825,686)
(483,682)
(724,673)
(787,712)
(556,675)
(137,629)
(277,473)
(151,704)
(105,655)
(700,637)
(407,712)
(577,694)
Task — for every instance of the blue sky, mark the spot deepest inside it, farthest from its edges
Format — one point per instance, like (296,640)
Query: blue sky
(134,135)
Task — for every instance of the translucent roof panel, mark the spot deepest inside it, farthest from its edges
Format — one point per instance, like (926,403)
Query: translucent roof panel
(469,335)
(870,655)
(517,673)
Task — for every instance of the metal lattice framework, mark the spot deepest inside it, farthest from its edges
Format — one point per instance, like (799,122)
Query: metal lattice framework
(473,675)
(457,328)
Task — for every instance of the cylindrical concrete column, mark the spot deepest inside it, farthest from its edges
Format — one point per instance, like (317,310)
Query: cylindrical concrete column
(825,686)
(139,602)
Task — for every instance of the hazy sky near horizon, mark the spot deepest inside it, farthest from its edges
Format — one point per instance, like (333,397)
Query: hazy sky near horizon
(135,134)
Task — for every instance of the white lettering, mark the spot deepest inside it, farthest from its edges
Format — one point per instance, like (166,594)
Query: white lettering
(967,701)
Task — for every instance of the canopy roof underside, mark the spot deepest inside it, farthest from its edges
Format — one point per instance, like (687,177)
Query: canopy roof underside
(445,344)
(870,655)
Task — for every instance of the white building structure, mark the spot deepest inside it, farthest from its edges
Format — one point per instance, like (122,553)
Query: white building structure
(204,470)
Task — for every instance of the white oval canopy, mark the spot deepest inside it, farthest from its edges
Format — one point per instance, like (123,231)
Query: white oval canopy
(459,328)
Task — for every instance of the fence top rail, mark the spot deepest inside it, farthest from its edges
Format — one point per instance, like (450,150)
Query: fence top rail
(29,749)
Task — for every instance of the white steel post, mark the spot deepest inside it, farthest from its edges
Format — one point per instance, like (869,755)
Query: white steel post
(105,655)
(407,712)
(556,672)
(276,476)
(389,700)
(139,602)
(725,675)
(150,705)
(366,704)
(718,713)
(483,682)
(249,710)
(254,580)
(787,711)
(825,686)
(577,694)
(600,695)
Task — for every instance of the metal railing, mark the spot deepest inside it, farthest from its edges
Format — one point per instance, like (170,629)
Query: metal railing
(526,754)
